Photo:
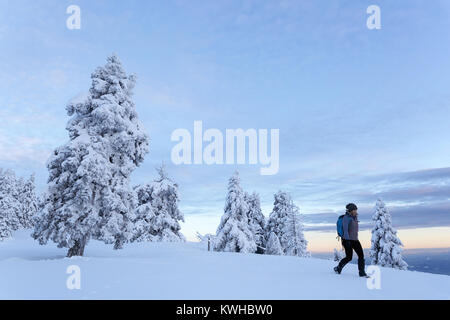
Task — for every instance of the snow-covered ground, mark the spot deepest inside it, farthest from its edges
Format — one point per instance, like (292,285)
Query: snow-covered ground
(188,271)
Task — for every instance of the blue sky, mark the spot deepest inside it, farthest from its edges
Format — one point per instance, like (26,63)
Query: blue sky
(362,113)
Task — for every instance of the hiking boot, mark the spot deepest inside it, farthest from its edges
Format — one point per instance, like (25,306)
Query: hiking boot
(337,270)
(361,267)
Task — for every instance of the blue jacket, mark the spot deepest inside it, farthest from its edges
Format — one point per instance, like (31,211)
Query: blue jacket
(350,225)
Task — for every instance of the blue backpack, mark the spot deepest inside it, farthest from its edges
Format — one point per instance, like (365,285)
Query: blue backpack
(340,226)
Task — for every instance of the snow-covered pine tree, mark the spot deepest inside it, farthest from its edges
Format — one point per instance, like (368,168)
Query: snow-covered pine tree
(5,229)
(296,244)
(338,255)
(273,245)
(277,219)
(207,240)
(256,220)
(143,225)
(40,204)
(5,206)
(28,202)
(233,233)
(88,192)
(386,249)
(9,204)
(163,215)
(165,204)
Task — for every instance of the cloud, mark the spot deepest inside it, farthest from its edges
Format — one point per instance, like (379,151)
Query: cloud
(417,199)
(20,149)
(423,193)
(164,97)
(25,136)
(423,186)
(403,217)
(417,176)
(57,78)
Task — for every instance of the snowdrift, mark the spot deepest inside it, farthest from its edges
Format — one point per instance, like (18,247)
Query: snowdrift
(188,271)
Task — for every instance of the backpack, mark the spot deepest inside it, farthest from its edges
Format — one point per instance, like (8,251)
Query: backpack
(340,226)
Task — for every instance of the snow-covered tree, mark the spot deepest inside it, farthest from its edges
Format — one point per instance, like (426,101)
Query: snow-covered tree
(40,205)
(338,255)
(233,233)
(158,215)
(207,240)
(165,205)
(277,218)
(273,245)
(296,244)
(88,193)
(143,225)
(285,222)
(5,228)
(386,249)
(17,203)
(9,204)
(28,202)
(256,220)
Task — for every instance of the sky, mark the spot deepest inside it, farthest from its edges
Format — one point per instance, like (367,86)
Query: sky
(362,113)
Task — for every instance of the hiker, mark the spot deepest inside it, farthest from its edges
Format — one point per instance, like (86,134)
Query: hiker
(350,240)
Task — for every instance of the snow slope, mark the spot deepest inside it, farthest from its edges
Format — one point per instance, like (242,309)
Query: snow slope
(187,271)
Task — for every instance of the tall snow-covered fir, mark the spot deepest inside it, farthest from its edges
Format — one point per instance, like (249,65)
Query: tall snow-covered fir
(143,225)
(17,203)
(5,228)
(165,201)
(88,193)
(277,218)
(273,245)
(233,233)
(158,216)
(256,220)
(296,244)
(285,223)
(28,202)
(9,206)
(386,249)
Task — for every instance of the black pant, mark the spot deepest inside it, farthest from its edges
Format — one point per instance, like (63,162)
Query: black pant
(349,246)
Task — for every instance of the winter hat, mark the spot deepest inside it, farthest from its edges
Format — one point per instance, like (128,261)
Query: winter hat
(351,206)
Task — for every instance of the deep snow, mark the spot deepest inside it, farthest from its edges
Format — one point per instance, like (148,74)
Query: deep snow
(188,271)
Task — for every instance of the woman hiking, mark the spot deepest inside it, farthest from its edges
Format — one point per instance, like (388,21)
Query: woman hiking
(350,240)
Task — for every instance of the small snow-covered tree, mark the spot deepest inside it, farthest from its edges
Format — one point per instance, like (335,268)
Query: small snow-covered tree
(386,249)
(282,207)
(143,225)
(9,204)
(296,244)
(256,220)
(338,255)
(88,193)
(17,203)
(207,240)
(233,233)
(5,229)
(159,209)
(28,202)
(273,245)
(277,218)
